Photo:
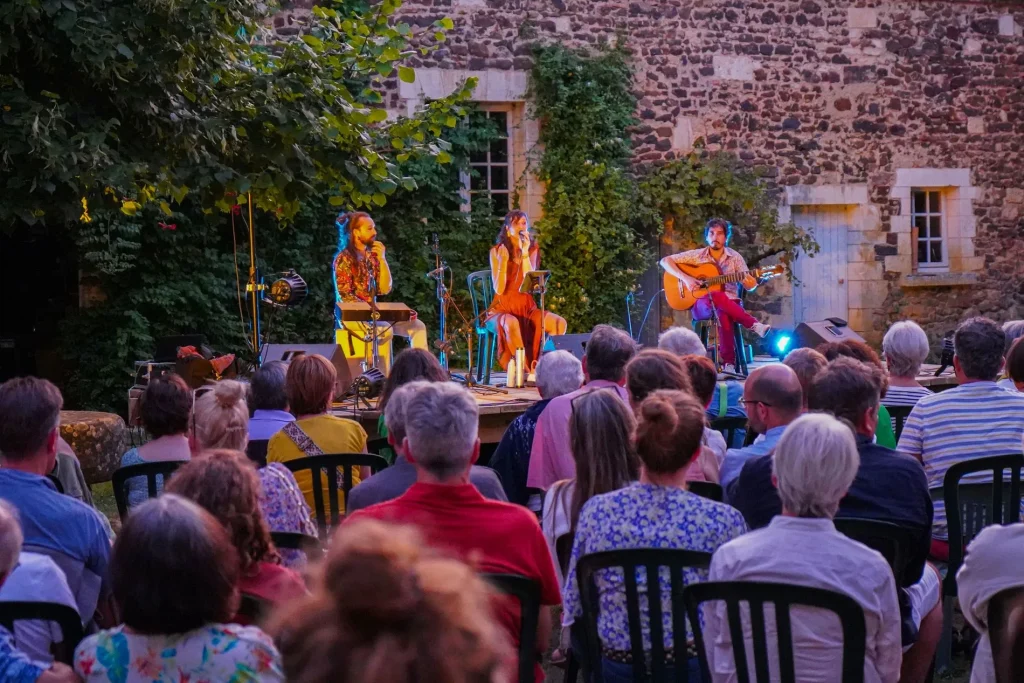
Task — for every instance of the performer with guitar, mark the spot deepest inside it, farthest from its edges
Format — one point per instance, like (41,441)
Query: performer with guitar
(687,277)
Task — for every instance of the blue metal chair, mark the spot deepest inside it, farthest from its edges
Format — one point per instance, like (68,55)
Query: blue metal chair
(481,291)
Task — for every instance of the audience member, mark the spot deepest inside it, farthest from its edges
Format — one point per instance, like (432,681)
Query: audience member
(657,512)
(558,373)
(441,421)
(815,462)
(859,351)
(992,564)
(604,366)
(224,483)
(50,522)
(385,609)
(600,433)
(905,346)
(973,420)
(164,407)
(310,388)
(220,421)
(889,487)
(175,574)
(703,379)
(1014,367)
(269,401)
(410,365)
(1014,330)
(683,341)
(396,479)
(806,363)
(774,399)
(18,664)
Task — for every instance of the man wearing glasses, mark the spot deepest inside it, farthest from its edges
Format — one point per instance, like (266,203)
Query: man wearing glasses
(772,398)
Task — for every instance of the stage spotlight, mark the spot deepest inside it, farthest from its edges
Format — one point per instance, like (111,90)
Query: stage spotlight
(781,344)
(287,291)
(367,385)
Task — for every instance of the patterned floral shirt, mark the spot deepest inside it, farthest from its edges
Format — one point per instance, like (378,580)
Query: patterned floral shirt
(644,516)
(15,666)
(215,653)
(285,509)
(732,262)
(352,275)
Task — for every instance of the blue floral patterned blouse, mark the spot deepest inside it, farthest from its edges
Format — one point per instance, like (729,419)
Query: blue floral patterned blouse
(644,516)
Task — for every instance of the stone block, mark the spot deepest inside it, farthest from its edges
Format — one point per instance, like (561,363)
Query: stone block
(563,24)
(973,264)
(734,68)
(931,177)
(972,46)
(859,319)
(1015,195)
(868,294)
(856,253)
(900,263)
(976,125)
(1010,212)
(469,3)
(903,244)
(865,270)
(1007,26)
(852,193)
(862,17)
(686,132)
(900,223)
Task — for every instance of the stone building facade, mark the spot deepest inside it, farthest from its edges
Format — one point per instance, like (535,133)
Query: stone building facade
(894,129)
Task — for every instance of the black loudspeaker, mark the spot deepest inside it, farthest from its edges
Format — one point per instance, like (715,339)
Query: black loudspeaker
(348,368)
(576,344)
(810,335)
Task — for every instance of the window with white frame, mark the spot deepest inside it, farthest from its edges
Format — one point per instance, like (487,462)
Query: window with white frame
(491,169)
(927,219)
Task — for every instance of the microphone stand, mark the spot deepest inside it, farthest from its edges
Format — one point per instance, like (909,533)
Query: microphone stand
(374,338)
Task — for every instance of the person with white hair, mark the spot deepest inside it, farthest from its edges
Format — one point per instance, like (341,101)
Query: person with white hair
(815,463)
(728,398)
(441,423)
(905,347)
(558,373)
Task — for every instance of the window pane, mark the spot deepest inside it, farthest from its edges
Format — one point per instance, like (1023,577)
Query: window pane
(499,177)
(919,201)
(933,202)
(935,252)
(500,120)
(921,223)
(500,205)
(478,157)
(499,151)
(478,178)
(922,251)
(936,230)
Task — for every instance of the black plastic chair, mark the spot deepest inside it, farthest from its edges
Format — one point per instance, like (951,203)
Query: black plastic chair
(894,542)
(629,561)
(527,592)
(257,452)
(375,446)
(66,617)
(149,470)
(252,609)
(728,426)
(292,540)
(706,489)
(899,418)
(328,465)
(563,551)
(782,596)
(1006,633)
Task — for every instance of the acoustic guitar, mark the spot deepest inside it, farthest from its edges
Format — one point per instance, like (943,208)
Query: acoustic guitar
(712,280)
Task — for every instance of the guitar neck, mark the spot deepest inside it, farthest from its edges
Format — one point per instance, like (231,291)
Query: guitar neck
(730,277)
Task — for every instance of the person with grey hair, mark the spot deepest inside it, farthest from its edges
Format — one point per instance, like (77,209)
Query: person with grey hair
(269,401)
(681,341)
(973,420)
(1014,330)
(815,463)
(441,422)
(727,401)
(905,346)
(558,373)
(395,480)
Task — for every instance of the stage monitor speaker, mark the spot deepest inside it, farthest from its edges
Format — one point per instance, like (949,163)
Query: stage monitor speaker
(812,334)
(348,369)
(576,344)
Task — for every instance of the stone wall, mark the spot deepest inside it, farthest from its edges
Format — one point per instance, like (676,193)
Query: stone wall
(824,100)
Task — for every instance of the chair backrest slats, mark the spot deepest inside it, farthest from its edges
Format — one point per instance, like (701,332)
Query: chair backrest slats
(66,617)
(328,465)
(657,625)
(894,542)
(784,632)
(633,612)
(150,470)
(899,416)
(759,635)
(706,489)
(527,592)
(736,634)
(678,617)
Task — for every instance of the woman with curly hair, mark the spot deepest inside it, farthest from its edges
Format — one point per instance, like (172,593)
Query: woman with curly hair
(225,484)
(386,609)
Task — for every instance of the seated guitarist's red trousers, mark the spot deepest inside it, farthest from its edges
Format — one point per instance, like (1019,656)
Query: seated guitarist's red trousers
(729,313)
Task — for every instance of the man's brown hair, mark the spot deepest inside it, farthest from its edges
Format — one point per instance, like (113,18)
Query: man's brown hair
(654,369)
(669,430)
(29,412)
(806,363)
(703,376)
(847,388)
(310,384)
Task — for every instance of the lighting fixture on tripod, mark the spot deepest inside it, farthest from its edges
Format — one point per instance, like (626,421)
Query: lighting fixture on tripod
(367,385)
(287,291)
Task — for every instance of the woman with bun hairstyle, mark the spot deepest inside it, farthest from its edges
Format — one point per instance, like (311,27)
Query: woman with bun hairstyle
(386,609)
(220,420)
(656,512)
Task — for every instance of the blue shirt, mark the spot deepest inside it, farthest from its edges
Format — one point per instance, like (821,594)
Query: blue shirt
(736,457)
(265,423)
(511,460)
(15,666)
(57,522)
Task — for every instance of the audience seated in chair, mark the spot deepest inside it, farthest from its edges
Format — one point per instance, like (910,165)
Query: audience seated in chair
(1014,368)
(558,373)
(410,365)
(50,521)
(17,663)
(852,348)
(604,366)
(657,512)
(268,401)
(683,341)
(815,462)
(1014,330)
(905,346)
(774,399)
(993,564)
(600,433)
(164,408)
(888,487)
(221,420)
(224,483)
(175,573)
(310,388)
(806,363)
(441,421)
(396,480)
(704,379)
(387,609)
(973,420)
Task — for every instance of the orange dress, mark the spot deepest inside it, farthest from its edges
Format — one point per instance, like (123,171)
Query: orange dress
(524,309)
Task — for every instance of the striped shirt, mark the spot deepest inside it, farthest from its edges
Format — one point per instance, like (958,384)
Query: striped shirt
(904,396)
(969,421)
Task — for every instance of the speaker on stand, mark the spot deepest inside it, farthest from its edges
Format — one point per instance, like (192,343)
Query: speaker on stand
(812,334)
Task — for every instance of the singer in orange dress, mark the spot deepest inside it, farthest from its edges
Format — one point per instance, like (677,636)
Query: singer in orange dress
(513,316)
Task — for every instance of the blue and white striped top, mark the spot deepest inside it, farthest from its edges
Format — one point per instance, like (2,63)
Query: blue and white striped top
(970,421)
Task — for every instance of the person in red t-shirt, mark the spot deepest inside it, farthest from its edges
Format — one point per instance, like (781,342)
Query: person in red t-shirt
(441,442)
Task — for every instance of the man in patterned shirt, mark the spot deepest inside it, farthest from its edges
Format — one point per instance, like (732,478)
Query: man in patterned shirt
(717,234)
